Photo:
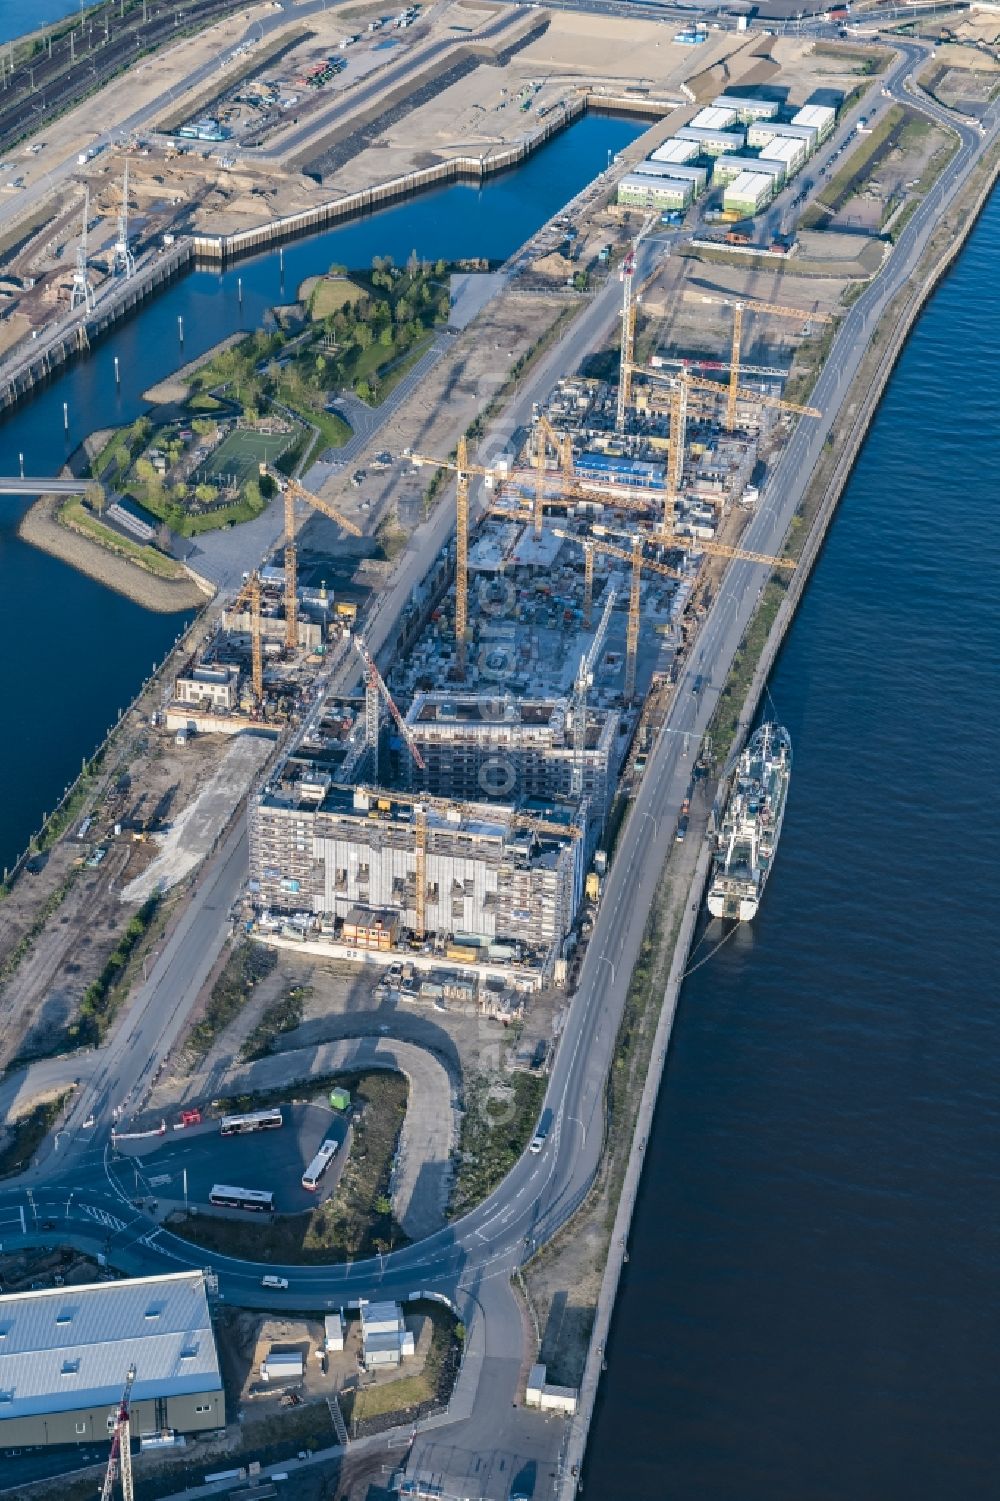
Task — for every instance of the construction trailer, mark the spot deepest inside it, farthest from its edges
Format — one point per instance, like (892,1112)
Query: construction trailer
(726,169)
(662,194)
(820,117)
(713,142)
(675,172)
(788,151)
(747,194)
(673,150)
(747,109)
(762,132)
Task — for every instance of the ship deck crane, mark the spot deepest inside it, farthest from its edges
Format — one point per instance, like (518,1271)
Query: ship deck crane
(294,491)
(250,595)
(463,471)
(120,1458)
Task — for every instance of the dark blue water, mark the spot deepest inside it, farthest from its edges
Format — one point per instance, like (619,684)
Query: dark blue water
(20,16)
(74,653)
(811,1311)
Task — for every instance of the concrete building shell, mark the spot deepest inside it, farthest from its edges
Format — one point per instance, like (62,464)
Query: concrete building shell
(484,874)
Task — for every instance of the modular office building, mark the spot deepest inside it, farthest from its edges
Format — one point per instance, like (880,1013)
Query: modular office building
(676,172)
(65,1353)
(640,190)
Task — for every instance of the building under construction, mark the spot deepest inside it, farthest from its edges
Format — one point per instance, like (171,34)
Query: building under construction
(477,745)
(484,874)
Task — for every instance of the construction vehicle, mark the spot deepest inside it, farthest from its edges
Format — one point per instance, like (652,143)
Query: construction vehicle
(120,1458)
(294,491)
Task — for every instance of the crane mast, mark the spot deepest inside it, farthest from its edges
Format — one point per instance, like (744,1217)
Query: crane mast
(120,1458)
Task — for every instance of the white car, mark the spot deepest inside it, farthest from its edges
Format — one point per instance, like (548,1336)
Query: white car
(280,1284)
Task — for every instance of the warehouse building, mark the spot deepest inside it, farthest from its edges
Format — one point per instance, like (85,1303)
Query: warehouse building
(763,132)
(728,168)
(748,194)
(521,750)
(786,150)
(713,142)
(674,151)
(715,117)
(819,116)
(65,1353)
(749,109)
(676,172)
(665,194)
(324,849)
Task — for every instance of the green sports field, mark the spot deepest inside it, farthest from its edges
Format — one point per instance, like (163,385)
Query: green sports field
(242,453)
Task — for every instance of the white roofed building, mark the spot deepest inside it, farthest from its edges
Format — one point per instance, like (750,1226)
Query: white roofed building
(65,1353)
(820,116)
(747,109)
(674,150)
(713,141)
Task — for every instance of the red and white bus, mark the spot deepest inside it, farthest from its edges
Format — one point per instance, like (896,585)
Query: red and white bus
(255,1199)
(313,1174)
(258,1120)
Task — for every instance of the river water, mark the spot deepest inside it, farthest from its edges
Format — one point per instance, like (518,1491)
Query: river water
(811,1308)
(76,653)
(20,16)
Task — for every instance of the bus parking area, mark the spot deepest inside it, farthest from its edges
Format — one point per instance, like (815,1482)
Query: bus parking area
(261,1164)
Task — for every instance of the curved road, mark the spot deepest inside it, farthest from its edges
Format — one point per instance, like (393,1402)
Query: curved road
(471,1261)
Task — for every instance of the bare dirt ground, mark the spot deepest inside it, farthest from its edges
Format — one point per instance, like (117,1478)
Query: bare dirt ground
(61,920)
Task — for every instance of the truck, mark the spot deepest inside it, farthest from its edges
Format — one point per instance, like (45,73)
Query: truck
(541,1131)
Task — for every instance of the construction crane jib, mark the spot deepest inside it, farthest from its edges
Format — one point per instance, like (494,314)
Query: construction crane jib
(584,678)
(463,472)
(293,491)
(377,681)
(630,303)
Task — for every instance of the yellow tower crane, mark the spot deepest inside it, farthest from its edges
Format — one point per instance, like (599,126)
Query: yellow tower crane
(250,595)
(294,491)
(739,307)
(546,434)
(463,471)
(630,305)
(638,560)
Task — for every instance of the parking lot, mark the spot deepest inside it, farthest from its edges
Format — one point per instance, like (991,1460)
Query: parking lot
(272,1160)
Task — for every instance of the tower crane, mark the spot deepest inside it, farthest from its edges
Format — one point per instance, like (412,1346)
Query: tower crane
(629,308)
(447,805)
(584,678)
(463,471)
(374,687)
(120,1458)
(745,305)
(250,595)
(638,561)
(563,444)
(293,491)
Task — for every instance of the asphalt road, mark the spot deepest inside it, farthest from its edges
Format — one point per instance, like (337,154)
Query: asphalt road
(471,1260)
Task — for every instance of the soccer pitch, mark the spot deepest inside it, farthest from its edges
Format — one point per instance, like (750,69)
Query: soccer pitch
(242,452)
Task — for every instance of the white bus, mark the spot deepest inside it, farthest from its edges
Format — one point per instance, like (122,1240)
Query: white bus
(259,1120)
(242,1198)
(314,1172)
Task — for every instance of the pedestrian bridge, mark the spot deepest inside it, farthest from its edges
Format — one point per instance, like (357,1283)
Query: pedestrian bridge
(32,485)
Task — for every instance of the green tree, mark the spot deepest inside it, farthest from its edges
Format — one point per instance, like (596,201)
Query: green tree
(206,494)
(363,336)
(145,471)
(385,337)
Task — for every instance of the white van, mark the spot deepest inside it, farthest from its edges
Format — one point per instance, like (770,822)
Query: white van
(276,1282)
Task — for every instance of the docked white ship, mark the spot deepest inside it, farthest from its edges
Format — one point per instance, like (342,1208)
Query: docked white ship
(751,826)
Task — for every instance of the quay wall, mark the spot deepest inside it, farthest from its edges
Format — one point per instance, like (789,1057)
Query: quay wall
(870,385)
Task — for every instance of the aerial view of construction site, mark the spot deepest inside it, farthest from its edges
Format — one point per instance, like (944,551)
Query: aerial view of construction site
(465,394)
